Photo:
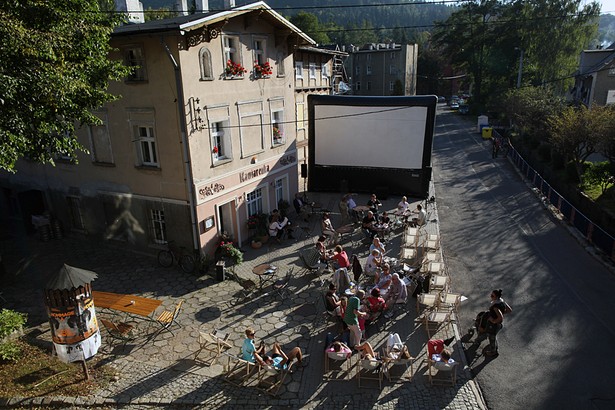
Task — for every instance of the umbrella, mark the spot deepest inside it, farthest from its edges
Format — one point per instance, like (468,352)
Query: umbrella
(70,277)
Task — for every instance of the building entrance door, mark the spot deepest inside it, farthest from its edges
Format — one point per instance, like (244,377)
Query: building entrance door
(227,218)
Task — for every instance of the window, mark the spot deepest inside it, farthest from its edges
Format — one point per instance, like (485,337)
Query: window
(358,86)
(205,62)
(135,59)
(74,206)
(369,70)
(392,55)
(299,70)
(260,51)
(220,141)
(279,63)
(100,144)
(281,190)
(300,116)
(324,70)
(368,57)
(312,71)
(277,127)
(611,71)
(391,85)
(231,53)
(392,69)
(369,85)
(159,227)
(254,202)
(357,70)
(146,145)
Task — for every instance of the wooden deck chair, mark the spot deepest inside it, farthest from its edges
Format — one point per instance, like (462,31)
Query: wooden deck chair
(435,267)
(271,379)
(239,371)
(439,283)
(432,257)
(433,242)
(442,373)
(339,357)
(408,255)
(450,301)
(393,357)
(427,301)
(370,370)
(248,286)
(214,343)
(436,320)
(119,331)
(168,317)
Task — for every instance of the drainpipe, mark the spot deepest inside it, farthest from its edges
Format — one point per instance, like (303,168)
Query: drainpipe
(185,151)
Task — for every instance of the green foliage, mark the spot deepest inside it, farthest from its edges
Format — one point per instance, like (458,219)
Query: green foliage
(600,174)
(11,321)
(54,69)
(228,250)
(529,108)
(10,351)
(544,152)
(309,24)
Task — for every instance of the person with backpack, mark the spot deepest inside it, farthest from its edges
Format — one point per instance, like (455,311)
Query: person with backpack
(491,321)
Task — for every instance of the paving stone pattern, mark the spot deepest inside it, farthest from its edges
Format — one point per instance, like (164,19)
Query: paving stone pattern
(160,369)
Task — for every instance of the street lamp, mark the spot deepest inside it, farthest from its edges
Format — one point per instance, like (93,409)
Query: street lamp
(520,66)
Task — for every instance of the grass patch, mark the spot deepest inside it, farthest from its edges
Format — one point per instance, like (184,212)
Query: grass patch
(36,373)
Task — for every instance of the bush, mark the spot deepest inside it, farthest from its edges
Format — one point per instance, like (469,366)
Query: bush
(544,152)
(10,351)
(10,321)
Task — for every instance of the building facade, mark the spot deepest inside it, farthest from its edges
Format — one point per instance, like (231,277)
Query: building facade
(595,79)
(383,69)
(202,137)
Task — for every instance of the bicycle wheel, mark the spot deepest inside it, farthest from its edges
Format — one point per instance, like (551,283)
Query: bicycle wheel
(186,262)
(165,258)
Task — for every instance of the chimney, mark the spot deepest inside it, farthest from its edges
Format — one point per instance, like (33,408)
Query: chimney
(229,4)
(133,10)
(181,6)
(202,6)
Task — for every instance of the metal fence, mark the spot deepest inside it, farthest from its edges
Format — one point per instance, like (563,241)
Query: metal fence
(592,232)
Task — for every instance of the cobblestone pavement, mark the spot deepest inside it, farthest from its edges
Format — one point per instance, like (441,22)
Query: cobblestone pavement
(161,370)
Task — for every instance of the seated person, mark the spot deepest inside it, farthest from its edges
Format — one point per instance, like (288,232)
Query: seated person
(443,361)
(300,207)
(421,216)
(367,351)
(375,305)
(374,204)
(340,258)
(384,278)
(322,249)
(403,205)
(351,206)
(339,347)
(277,228)
(280,360)
(327,228)
(333,301)
(436,346)
(373,262)
(384,219)
(377,244)
(368,225)
(397,292)
(249,352)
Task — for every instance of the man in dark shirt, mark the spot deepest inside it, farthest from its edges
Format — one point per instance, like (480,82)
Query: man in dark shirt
(368,224)
(374,204)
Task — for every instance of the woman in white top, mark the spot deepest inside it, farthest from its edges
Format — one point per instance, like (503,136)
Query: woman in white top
(377,245)
(327,228)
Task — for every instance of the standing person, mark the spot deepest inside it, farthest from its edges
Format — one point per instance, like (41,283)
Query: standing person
(491,321)
(351,317)
(374,203)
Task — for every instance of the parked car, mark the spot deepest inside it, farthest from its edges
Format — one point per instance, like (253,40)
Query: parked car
(454,105)
(464,109)
(441,100)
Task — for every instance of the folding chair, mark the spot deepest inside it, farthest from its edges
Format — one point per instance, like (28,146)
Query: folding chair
(280,286)
(450,301)
(167,318)
(215,343)
(394,358)
(241,370)
(370,370)
(441,373)
(271,379)
(439,283)
(435,267)
(433,242)
(119,331)
(248,286)
(432,257)
(435,320)
(336,357)
(427,301)
(407,254)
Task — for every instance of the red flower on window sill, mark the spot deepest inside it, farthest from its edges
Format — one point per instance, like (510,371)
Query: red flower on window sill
(262,70)
(215,150)
(234,69)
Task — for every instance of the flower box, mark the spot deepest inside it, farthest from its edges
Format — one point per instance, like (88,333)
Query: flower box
(234,70)
(262,70)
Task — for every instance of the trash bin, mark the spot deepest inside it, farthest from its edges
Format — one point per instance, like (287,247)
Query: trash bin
(487,132)
(220,275)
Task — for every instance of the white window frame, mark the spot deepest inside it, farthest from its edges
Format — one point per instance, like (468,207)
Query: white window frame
(300,106)
(277,121)
(254,202)
(135,57)
(280,187)
(611,72)
(159,226)
(391,85)
(259,48)
(357,70)
(219,132)
(299,70)
(231,50)
(392,69)
(146,145)
(324,70)
(312,71)
(207,72)
(368,70)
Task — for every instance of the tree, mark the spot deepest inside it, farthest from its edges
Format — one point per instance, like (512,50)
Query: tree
(54,69)
(529,108)
(599,173)
(309,24)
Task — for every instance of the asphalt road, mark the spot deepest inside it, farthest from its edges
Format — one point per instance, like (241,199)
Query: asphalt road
(556,348)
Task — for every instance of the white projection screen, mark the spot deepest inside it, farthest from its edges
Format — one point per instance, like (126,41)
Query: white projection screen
(366,144)
(379,137)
